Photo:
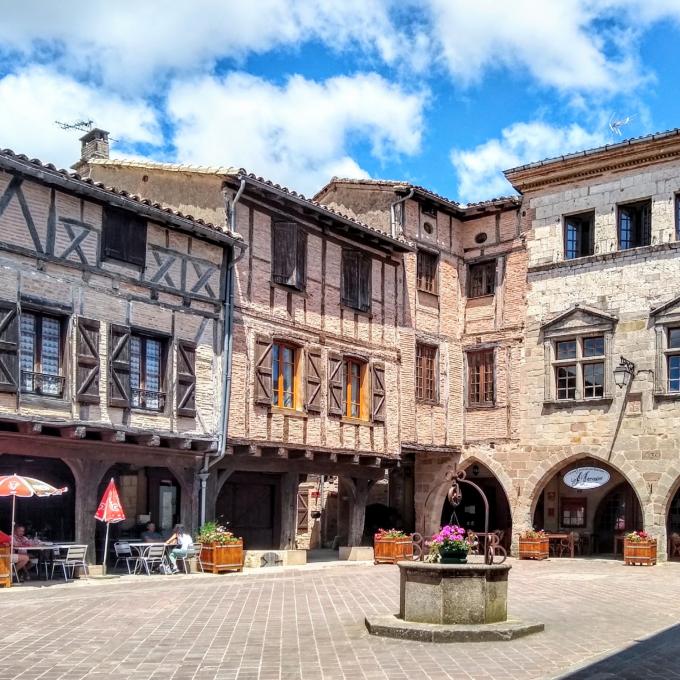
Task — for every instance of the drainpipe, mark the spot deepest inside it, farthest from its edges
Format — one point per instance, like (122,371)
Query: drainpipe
(393,209)
(227,347)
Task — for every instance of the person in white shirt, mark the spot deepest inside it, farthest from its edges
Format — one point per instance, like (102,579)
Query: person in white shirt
(183,546)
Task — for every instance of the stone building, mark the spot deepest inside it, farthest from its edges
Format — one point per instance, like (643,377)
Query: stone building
(111,325)
(603,275)
(461,323)
(316,354)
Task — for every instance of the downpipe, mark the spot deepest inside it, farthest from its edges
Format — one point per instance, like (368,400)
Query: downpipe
(393,211)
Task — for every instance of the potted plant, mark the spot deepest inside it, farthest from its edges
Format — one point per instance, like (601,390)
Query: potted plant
(220,549)
(392,545)
(451,545)
(534,545)
(639,548)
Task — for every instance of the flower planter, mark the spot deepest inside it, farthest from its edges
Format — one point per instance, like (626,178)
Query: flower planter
(391,550)
(5,567)
(534,548)
(218,558)
(639,552)
(453,556)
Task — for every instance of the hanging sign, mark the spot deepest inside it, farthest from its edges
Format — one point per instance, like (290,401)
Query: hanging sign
(586,478)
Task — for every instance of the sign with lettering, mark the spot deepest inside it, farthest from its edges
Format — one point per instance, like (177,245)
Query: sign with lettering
(586,478)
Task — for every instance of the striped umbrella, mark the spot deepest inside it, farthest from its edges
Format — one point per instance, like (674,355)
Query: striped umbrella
(25,487)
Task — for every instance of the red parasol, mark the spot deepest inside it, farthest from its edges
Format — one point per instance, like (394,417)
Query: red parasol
(110,511)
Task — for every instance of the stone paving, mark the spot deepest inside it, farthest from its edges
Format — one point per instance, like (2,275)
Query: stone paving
(308,623)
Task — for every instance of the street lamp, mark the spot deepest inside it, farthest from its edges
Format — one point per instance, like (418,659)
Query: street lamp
(624,372)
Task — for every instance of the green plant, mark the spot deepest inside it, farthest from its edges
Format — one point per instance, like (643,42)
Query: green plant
(533,534)
(390,533)
(211,533)
(637,536)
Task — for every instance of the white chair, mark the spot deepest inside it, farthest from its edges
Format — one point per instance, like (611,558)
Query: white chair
(75,557)
(194,551)
(124,554)
(50,558)
(153,556)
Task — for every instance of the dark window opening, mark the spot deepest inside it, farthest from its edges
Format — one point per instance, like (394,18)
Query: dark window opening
(481,378)
(482,279)
(428,209)
(146,373)
(41,355)
(124,236)
(579,235)
(573,513)
(426,372)
(289,255)
(356,280)
(427,272)
(635,225)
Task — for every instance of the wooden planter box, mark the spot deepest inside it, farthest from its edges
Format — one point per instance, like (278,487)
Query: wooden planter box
(219,558)
(391,550)
(5,567)
(639,552)
(534,548)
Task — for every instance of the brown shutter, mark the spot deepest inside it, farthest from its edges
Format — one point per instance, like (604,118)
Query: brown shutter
(301,264)
(283,253)
(9,348)
(336,384)
(263,370)
(87,364)
(186,378)
(313,380)
(365,271)
(350,278)
(378,389)
(124,236)
(119,366)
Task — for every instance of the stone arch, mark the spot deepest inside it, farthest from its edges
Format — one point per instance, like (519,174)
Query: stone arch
(546,469)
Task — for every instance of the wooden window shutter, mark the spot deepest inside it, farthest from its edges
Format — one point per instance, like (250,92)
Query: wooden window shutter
(87,361)
(365,270)
(9,348)
(313,380)
(186,378)
(119,366)
(124,236)
(336,384)
(350,278)
(378,390)
(263,370)
(301,264)
(284,253)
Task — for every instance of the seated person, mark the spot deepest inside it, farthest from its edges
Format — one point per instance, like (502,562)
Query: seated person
(21,560)
(183,546)
(150,535)
(21,543)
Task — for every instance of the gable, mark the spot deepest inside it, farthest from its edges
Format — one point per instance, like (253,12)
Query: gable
(668,312)
(579,319)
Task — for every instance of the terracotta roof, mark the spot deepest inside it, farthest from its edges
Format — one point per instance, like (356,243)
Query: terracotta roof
(49,173)
(595,150)
(241,173)
(431,195)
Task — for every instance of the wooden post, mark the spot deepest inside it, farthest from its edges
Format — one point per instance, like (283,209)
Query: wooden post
(289,490)
(359,488)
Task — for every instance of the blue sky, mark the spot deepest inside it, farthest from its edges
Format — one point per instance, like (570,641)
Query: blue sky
(443,93)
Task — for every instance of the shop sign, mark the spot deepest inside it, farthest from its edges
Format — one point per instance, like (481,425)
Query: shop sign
(586,478)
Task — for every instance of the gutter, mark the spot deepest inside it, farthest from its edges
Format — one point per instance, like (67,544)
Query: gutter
(227,351)
(393,210)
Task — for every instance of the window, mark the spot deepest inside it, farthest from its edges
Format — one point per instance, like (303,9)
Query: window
(635,225)
(481,378)
(124,236)
(673,359)
(579,368)
(578,235)
(677,217)
(573,513)
(40,351)
(427,272)
(428,209)
(284,392)
(482,279)
(289,255)
(426,372)
(355,400)
(356,280)
(146,373)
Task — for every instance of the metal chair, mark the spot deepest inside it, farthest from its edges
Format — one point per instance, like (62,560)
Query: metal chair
(49,560)
(194,551)
(153,556)
(123,553)
(75,557)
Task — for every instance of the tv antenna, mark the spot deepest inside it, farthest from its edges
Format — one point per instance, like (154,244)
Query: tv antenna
(616,125)
(82,125)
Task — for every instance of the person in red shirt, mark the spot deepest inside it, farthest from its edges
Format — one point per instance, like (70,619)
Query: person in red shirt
(20,560)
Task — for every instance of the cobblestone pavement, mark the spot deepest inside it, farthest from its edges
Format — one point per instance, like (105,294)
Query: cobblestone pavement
(308,623)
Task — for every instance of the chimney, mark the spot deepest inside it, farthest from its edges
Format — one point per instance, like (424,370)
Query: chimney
(95,144)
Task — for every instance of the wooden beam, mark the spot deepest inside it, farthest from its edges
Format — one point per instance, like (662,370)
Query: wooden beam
(30,428)
(114,436)
(370,461)
(148,440)
(75,432)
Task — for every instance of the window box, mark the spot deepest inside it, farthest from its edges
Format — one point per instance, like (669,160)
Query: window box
(217,558)
(639,552)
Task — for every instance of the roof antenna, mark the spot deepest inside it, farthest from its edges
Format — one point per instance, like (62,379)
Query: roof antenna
(82,125)
(616,125)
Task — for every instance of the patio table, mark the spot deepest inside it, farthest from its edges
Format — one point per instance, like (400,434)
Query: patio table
(563,537)
(140,547)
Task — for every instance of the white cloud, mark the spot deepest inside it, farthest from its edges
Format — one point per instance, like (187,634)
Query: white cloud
(480,170)
(33,99)
(299,133)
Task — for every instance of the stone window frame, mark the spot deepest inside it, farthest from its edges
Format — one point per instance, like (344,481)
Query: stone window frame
(581,218)
(664,318)
(552,337)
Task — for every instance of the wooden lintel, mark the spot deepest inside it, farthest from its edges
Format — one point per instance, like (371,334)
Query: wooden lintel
(115,436)
(30,428)
(75,432)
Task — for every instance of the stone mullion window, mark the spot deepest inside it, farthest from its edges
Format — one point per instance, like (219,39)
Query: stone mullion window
(579,368)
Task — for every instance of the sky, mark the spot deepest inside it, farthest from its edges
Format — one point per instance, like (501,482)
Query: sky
(441,93)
